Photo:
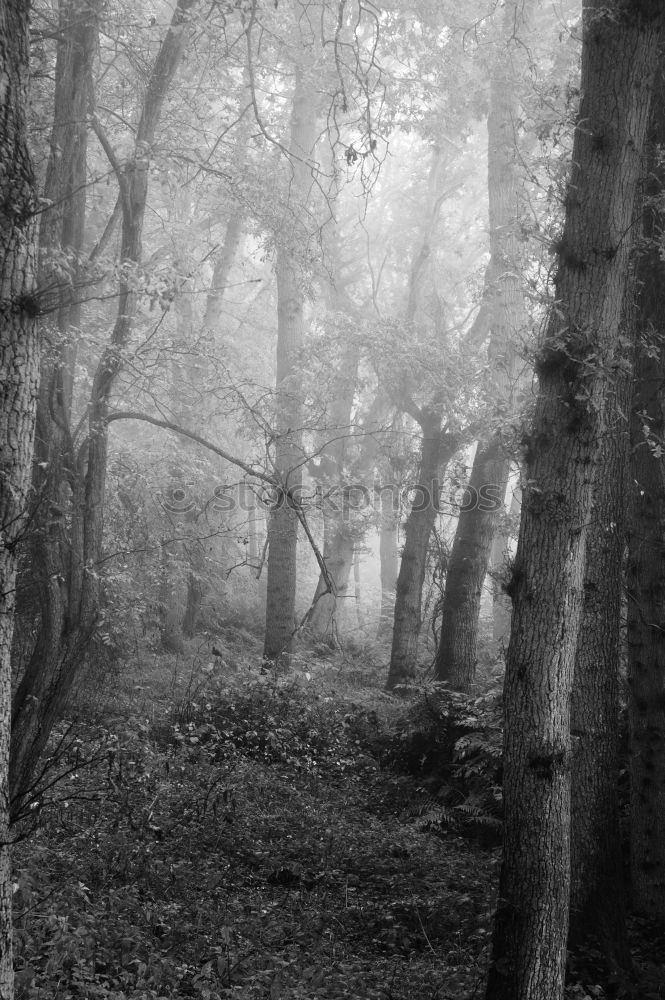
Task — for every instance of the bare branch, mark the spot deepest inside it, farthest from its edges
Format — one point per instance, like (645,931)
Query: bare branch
(177,429)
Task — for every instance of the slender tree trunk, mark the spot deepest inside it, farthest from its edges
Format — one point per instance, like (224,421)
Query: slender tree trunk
(437,450)
(597,899)
(222,270)
(619,57)
(338,547)
(283,524)
(388,554)
(456,657)
(338,510)
(19,368)
(646,584)
(457,654)
(357,590)
(47,682)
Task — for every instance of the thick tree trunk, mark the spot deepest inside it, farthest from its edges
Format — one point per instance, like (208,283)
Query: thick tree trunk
(57,551)
(437,450)
(501,604)
(597,900)
(646,646)
(457,654)
(646,585)
(619,56)
(19,368)
(283,524)
(47,682)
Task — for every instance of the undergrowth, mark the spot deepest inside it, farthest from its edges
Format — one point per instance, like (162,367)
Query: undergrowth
(261,836)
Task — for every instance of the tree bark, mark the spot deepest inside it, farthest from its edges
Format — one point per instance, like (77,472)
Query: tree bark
(573,363)
(501,605)
(597,900)
(646,538)
(283,524)
(19,369)
(52,669)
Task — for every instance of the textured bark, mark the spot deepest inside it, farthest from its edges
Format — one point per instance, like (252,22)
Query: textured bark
(504,303)
(619,55)
(283,524)
(646,582)
(597,899)
(501,604)
(51,672)
(19,367)
(456,656)
(437,450)
(57,558)
(646,649)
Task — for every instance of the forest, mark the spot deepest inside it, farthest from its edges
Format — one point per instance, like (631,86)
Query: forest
(332,499)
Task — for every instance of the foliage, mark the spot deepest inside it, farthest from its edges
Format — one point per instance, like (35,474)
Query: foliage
(244,844)
(453,743)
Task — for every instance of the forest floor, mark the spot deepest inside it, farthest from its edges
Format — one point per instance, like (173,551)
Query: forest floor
(223,833)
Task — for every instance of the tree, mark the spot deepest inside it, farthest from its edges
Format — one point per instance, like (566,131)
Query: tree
(598,898)
(439,418)
(646,593)
(337,502)
(283,525)
(70,614)
(19,365)
(574,363)
(504,310)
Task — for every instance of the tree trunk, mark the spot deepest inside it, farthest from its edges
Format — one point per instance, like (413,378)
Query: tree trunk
(646,539)
(171,610)
(222,270)
(338,547)
(619,56)
(19,369)
(437,450)
(501,605)
(457,655)
(283,524)
(338,512)
(597,900)
(51,672)
(388,554)
(357,592)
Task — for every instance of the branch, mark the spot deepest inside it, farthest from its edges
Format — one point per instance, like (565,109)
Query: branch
(177,429)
